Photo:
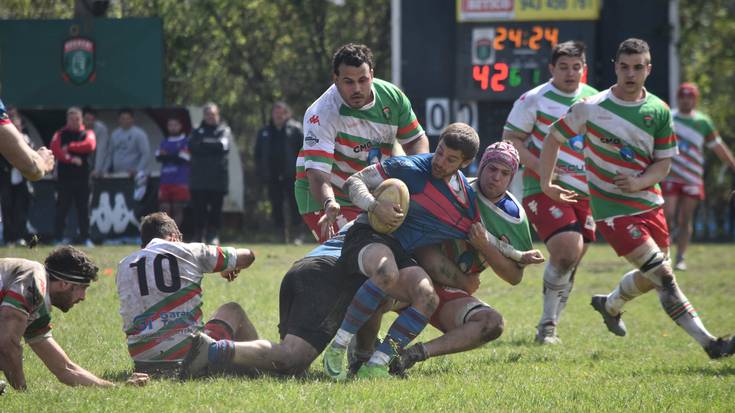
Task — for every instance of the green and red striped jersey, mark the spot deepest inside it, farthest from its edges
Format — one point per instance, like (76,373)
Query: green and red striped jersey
(620,137)
(694,131)
(533,113)
(340,140)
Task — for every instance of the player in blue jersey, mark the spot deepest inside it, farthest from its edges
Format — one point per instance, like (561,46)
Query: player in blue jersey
(313,300)
(442,207)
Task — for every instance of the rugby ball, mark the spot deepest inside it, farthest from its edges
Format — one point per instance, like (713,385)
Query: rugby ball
(393,190)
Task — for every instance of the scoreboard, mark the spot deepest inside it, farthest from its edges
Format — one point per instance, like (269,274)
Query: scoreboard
(500,61)
(469,60)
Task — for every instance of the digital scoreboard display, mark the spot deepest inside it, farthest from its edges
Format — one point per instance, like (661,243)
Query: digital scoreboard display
(499,61)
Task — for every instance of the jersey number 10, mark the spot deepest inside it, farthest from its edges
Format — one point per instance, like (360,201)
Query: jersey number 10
(173,267)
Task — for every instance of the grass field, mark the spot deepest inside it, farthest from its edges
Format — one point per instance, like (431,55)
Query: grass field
(657,367)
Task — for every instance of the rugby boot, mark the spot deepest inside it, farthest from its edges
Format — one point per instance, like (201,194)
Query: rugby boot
(546,335)
(335,361)
(196,362)
(722,347)
(406,358)
(373,371)
(614,323)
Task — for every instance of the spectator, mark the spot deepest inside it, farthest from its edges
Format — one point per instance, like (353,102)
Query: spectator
(209,145)
(72,146)
(15,194)
(101,135)
(276,150)
(173,190)
(128,149)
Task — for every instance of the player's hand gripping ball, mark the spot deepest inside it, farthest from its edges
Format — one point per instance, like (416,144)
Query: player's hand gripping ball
(395,191)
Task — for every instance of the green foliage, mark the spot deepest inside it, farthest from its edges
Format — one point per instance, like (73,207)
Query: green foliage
(657,367)
(708,59)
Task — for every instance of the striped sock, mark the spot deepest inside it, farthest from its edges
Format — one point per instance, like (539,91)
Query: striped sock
(406,327)
(677,306)
(624,292)
(363,306)
(221,351)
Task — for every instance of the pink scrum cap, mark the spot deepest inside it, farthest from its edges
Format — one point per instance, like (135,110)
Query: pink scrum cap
(502,152)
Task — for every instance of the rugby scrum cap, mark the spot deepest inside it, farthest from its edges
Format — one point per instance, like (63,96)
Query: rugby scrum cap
(502,152)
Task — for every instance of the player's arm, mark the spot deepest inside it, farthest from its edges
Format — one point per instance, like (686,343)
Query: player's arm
(653,174)
(417,146)
(506,261)
(359,186)
(518,139)
(32,164)
(68,372)
(444,271)
(549,153)
(13,324)
(724,153)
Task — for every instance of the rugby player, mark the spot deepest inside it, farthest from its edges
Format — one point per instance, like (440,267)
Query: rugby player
(355,123)
(160,295)
(313,300)
(502,241)
(629,145)
(566,229)
(442,207)
(28,290)
(684,187)
(32,164)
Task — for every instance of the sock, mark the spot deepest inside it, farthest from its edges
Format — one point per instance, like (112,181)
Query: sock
(677,306)
(406,327)
(555,283)
(565,295)
(363,306)
(221,351)
(625,291)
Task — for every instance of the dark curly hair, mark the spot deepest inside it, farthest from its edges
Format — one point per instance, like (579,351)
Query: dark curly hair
(352,54)
(69,260)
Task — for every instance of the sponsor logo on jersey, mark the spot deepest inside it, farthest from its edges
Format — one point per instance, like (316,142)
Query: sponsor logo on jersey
(363,147)
(386,112)
(683,145)
(634,232)
(314,120)
(142,323)
(611,141)
(77,60)
(310,140)
(577,143)
(626,153)
(648,120)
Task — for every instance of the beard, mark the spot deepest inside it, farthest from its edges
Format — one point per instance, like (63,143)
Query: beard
(63,301)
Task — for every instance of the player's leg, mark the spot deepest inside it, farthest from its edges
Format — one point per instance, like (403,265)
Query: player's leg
(235,317)
(561,227)
(414,286)
(671,204)
(655,265)
(687,206)
(565,251)
(467,323)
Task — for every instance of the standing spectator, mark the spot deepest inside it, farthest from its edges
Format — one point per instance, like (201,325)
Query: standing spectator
(101,135)
(173,190)
(128,149)
(72,146)
(15,194)
(684,187)
(276,149)
(209,145)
